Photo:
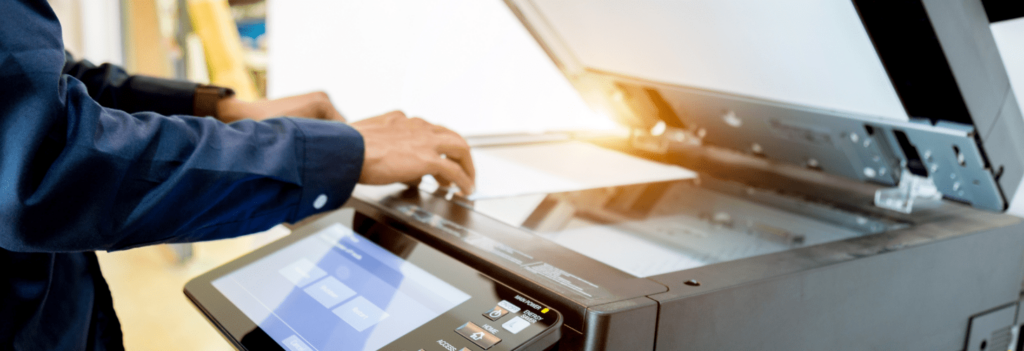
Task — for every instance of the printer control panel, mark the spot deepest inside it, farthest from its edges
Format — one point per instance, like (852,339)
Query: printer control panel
(511,322)
(495,317)
(503,320)
(366,286)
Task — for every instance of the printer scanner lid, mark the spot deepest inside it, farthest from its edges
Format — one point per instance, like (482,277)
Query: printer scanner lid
(869,90)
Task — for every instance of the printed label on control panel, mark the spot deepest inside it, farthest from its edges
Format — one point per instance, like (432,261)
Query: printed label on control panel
(532,304)
(528,263)
(446,345)
(531,317)
(567,279)
(509,306)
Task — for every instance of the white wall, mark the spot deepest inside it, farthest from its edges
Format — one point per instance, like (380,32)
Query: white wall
(466,64)
(91,29)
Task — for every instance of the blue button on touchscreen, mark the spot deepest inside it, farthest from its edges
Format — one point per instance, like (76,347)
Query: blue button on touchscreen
(336,290)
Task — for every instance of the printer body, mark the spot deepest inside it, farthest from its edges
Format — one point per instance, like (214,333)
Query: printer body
(806,228)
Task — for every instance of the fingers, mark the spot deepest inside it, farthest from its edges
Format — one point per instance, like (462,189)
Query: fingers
(417,147)
(332,114)
(393,117)
(449,170)
(385,120)
(420,123)
(455,152)
(456,149)
(321,107)
(442,181)
(315,105)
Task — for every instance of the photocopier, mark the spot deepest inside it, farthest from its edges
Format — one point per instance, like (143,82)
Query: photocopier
(814,229)
(805,228)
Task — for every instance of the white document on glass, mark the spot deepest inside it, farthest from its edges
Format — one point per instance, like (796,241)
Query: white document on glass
(516,170)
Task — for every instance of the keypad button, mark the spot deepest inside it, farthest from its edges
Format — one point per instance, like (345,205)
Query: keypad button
(515,325)
(511,307)
(495,313)
(477,335)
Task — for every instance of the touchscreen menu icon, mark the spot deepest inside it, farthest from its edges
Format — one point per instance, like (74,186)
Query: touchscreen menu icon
(360,313)
(329,292)
(302,272)
(293,343)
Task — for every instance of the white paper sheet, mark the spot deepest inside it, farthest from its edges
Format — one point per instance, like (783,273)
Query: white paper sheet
(558,167)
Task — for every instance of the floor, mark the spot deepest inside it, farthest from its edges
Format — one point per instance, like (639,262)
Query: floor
(146,284)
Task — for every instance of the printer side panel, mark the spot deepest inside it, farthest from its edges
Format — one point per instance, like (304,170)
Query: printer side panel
(914,298)
(628,325)
(624,325)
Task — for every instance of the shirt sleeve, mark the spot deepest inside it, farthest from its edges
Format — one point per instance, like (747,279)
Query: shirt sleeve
(91,177)
(112,87)
(77,176)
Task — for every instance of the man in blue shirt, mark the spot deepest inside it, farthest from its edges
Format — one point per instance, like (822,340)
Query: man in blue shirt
(94,159)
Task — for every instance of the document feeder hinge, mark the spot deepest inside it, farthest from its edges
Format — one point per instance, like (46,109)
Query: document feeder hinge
(911,187)
(659,137)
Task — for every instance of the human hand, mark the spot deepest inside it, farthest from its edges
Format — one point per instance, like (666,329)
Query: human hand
(402,149)
(312,105)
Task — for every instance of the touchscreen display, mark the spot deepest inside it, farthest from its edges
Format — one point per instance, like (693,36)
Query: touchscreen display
(336,290)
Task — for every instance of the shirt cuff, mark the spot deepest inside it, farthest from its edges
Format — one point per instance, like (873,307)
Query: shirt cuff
(332,160)
(206,99)
(163,96)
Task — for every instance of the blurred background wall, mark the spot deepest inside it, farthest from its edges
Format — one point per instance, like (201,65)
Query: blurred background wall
(92,28)
(162,38)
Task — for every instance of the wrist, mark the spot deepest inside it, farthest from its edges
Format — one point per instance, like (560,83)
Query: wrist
(231,109)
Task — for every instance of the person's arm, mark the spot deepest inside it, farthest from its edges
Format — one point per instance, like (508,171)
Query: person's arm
(112,87)
(85,177)
(76,176)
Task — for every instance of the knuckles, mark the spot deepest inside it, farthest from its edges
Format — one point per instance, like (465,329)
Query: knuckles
(320,96)
(395,115)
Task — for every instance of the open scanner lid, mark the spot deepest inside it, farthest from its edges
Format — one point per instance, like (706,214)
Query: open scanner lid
(869,90)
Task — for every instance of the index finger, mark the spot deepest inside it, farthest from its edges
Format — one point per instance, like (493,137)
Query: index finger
(456,149)
(448,169)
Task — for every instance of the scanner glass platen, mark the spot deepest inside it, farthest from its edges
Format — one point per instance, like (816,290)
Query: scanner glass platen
(655,228)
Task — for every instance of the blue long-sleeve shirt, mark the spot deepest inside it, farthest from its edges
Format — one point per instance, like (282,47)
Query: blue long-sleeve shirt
(79,172)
